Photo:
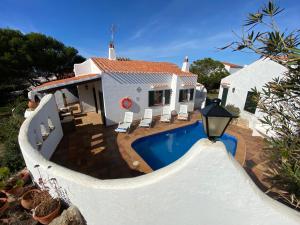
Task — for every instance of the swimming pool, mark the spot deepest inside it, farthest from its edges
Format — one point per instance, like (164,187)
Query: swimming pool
(161,149)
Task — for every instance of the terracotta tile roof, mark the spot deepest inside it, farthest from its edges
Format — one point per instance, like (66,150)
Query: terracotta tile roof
(138,66)
(232,65)
(64,82)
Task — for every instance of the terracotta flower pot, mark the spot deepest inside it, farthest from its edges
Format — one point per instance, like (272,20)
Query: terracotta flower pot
(48,218)
(27,201)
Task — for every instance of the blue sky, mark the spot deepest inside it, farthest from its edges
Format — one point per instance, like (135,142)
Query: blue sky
(156,30)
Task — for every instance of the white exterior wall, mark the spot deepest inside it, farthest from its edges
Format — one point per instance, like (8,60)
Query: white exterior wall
(200,97)
(230,69)
(69,97)
(175,93)
(86,67)
(113,92)
(233,70)
(205,186)
(256,75)
(46,109)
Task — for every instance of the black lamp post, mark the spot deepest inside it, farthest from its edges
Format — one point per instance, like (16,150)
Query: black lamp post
(215,119)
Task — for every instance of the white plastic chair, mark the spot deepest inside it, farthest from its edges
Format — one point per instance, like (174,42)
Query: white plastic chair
(183,113)
(146,121)
(165,115)
(124,126)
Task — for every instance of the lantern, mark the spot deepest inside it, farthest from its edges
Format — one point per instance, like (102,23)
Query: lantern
(215,119)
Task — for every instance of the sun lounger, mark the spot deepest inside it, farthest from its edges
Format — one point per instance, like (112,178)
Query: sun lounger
(183,113)
(146,121)
(124,126)
(166,115)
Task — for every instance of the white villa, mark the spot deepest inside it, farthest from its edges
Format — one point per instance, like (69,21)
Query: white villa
(206,185)
(103,82)
(236,88)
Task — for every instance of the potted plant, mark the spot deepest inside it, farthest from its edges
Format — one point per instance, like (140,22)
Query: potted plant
(29,198)
(47,209)
(14,186)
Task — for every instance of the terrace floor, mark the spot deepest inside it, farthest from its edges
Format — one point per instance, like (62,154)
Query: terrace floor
(92,149)
(100,152)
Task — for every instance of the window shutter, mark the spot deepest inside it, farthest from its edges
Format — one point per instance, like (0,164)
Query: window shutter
(192,94)
(151,98)
(167,97)
(181,96)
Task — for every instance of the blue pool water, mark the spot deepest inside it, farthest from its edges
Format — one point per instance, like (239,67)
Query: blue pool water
(159,150)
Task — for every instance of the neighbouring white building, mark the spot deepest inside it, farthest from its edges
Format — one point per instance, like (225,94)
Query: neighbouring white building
(237,88)
(232,68)
(103,82)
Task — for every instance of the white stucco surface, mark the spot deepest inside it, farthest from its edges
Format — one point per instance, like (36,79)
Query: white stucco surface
(86,67)
(113,92)
(256,75)
(205,186)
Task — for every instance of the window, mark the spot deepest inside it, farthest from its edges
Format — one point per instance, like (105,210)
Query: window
(251,102)
(186,95)
(183,95)
(161,97)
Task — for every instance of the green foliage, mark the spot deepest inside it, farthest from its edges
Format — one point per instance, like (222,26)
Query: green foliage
(233,109)
(12,157)
(210,72)
(4,175)
(26,56)
(279,99)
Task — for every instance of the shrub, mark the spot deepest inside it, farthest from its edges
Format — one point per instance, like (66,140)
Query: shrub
(12,157)
(233,109)
(279,100)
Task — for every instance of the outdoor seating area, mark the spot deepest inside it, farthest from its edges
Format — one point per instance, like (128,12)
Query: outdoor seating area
(147,119)
(101,152)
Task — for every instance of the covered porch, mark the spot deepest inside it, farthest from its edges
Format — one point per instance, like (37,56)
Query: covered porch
(88,94)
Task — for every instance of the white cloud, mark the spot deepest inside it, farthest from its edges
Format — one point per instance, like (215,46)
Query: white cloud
(177,47)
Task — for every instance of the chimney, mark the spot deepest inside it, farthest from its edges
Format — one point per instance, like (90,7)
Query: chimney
(111,52)
(185,66)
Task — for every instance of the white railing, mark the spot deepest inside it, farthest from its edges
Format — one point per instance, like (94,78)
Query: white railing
(205,186)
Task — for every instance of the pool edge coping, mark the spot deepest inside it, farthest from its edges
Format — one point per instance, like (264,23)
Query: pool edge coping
(124,142)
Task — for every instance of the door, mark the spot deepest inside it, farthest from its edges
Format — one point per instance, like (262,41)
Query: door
(95,100)
(224,96)
(101,102)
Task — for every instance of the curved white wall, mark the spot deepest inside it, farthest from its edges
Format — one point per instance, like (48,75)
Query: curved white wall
(205,186)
